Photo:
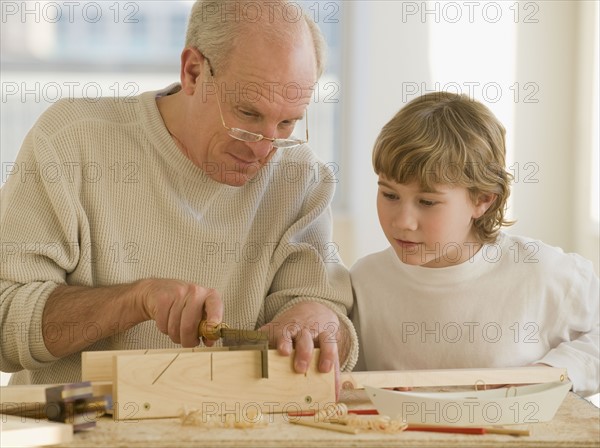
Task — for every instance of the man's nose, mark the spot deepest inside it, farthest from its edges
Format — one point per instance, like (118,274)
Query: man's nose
(261,148)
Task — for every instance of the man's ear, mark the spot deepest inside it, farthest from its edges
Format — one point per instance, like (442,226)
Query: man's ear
(483,202)
(192,70)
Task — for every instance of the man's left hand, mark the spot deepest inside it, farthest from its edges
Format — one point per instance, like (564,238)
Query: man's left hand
(305,326)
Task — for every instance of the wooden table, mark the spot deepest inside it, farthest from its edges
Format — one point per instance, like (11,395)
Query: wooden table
(576,424)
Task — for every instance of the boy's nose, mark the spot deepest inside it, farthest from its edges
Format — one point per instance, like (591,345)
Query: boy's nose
(405,218)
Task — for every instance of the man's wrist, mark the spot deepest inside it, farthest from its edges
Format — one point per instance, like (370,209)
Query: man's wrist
(135,300)
(344,342)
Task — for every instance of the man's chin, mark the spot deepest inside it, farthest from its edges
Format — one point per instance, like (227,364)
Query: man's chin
(236,178)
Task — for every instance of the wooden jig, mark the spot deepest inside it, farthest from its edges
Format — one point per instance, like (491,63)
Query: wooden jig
(160,383)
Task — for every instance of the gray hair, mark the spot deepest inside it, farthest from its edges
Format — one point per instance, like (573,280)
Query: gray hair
(216,25)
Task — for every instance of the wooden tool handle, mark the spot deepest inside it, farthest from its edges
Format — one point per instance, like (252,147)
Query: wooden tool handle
(212,332)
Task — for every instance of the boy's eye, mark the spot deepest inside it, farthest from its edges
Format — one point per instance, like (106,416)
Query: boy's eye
(427,203)
(390,196)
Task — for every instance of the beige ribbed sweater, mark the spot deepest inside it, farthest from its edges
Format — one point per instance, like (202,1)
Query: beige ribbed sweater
(100,195)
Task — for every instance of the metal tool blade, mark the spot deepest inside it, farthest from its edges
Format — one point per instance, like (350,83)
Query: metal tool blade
(236,339)
(233,336)
(240,339)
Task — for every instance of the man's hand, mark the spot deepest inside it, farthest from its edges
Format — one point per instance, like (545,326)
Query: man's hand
(305,326)
(178,307)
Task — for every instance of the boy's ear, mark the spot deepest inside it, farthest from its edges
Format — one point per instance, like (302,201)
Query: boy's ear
(192,65)
(484,201)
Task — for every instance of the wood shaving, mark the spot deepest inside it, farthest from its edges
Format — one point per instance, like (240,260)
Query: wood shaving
(378,423)
(332,411)
(338,413)
(195,417)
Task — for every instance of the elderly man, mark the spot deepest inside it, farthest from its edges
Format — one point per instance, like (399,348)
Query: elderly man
(203,222)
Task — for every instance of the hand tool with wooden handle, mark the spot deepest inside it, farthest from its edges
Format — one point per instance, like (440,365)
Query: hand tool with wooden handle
(238,339)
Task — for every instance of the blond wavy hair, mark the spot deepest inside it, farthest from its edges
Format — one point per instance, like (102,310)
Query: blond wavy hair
(445,138)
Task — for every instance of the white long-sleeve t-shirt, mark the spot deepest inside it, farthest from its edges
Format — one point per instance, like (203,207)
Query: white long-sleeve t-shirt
(515,302)
(101,195)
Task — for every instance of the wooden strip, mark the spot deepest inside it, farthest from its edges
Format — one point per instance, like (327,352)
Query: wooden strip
(453,377)
(507,431)
(326,426)
(21,432)
(97,366)
(236,387)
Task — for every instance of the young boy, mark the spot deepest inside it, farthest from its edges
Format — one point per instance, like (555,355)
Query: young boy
(453,291)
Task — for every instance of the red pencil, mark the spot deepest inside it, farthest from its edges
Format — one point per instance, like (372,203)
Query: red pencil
(450,429)
(363,411)
(468,430)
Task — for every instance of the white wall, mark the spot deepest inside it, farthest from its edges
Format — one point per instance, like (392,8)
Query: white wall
(544,130)
(586,239)
(381,55)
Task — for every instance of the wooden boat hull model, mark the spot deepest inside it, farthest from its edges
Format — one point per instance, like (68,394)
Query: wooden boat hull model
(504,406)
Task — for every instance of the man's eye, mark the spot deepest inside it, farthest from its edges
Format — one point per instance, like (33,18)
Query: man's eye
(288,123)
(246,113)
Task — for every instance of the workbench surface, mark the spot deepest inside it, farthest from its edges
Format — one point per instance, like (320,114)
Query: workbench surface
(576,424)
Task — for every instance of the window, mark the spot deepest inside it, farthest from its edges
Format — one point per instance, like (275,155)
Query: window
(54,50)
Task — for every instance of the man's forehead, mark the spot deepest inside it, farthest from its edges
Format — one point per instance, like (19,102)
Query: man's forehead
(277,81)
(254,90)
(278,67)
(294,112)
(259,70)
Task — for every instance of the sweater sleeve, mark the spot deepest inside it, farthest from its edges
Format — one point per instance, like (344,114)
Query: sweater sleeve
(361,364)
(579,353)
(307,267)
(38,232)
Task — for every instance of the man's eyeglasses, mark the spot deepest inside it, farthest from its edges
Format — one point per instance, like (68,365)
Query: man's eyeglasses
(252,137)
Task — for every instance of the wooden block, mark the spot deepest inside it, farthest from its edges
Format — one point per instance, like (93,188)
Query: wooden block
(22,432)
(98,366)
(453,377)
(162,385)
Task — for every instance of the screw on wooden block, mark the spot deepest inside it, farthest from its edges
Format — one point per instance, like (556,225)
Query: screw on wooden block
(308,399)
(147,406)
